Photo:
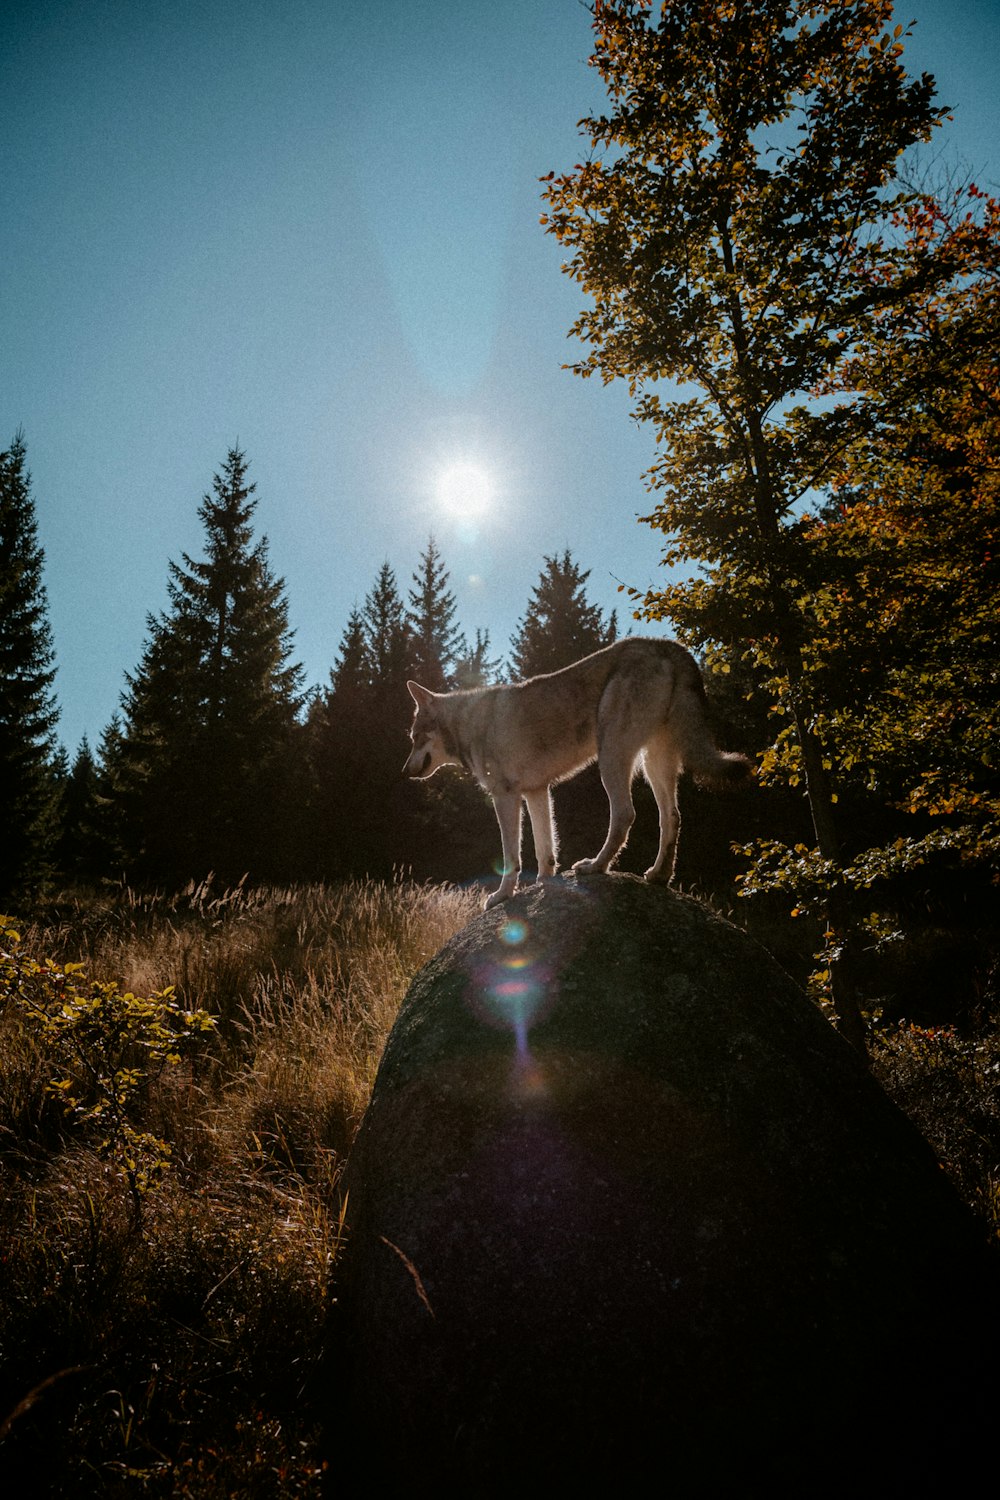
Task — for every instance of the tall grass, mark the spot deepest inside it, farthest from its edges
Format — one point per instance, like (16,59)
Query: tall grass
(170,1353)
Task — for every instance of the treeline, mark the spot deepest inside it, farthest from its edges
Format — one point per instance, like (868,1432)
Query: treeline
(220,761)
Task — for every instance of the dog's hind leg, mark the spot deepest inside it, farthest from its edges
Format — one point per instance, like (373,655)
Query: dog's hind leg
(507,806)
(616,774)
(543,831)
(621,734)
(662,768)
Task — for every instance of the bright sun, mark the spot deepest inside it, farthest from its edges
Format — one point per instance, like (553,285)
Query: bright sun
(464,489)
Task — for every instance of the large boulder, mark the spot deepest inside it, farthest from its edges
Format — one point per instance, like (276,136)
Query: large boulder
(623,1201)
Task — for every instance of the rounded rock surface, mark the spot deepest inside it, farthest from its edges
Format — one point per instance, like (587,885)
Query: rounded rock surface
(622,1199)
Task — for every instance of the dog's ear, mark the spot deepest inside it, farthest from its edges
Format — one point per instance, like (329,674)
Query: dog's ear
(420,695)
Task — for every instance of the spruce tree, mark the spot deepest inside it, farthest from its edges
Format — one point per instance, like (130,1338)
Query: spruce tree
(560,625)
(359,742)
(80,849)
(27,707)
(436,642)
(387,635)
(210,711)
(474,667)
(352,673)
(341,729)
(109,811)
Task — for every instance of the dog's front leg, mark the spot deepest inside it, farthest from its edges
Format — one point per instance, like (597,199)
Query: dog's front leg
(543,831)
(507,806)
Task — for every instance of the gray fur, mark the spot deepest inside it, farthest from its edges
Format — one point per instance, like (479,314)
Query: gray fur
(637,704)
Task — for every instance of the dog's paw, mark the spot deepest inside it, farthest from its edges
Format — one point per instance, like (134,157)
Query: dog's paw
(588,867)
(656,876)
(498,897)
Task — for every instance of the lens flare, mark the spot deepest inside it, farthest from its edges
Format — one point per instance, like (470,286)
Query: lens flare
(511,990)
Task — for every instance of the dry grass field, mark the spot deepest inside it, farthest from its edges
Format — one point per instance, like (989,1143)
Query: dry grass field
(159,1336)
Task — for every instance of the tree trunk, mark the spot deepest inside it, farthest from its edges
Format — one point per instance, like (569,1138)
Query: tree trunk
(843,986)
(769,508)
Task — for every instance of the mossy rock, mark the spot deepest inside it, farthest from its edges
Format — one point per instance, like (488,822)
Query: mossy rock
(623,1199)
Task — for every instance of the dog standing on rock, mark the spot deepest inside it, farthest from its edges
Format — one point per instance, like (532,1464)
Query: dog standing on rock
(636,703)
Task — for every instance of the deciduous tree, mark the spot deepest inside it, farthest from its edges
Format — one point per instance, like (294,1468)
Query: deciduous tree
(733,224)
(904,582)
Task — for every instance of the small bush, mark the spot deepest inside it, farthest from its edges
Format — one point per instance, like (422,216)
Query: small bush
(101,1049)
(949,1085)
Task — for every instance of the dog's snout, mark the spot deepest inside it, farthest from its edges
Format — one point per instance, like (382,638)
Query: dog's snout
(417,764)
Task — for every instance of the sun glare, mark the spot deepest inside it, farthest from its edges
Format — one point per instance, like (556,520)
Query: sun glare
(464,489)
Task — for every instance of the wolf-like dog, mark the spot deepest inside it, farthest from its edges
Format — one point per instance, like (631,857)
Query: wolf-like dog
(636,702)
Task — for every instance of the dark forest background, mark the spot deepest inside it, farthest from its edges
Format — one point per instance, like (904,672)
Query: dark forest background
(220,762)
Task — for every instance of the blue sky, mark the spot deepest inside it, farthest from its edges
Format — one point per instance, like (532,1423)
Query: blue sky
(312,226)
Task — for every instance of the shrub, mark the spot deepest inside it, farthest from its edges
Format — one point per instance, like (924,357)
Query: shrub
(949,1085)
(104,1049)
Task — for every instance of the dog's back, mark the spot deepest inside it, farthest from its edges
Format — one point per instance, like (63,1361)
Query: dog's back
(641,686)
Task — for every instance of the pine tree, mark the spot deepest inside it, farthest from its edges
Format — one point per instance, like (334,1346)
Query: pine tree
(474,667)
(560,625)
(210,711)
(80,849)
(109,809)
(352,673)
(436,642)
(28,713)
(386,634)
(358,742)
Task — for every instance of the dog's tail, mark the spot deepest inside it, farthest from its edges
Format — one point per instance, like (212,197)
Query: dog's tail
(719,770)
(729,770)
